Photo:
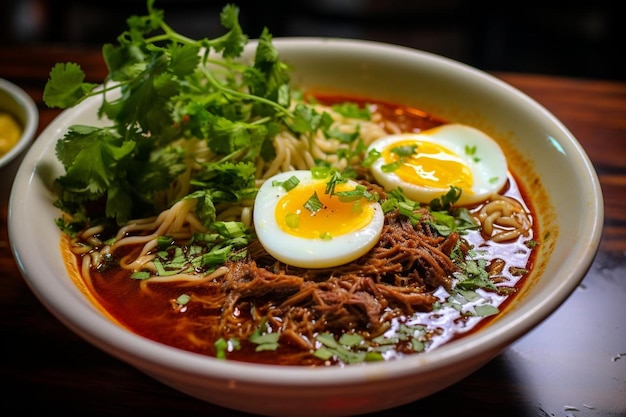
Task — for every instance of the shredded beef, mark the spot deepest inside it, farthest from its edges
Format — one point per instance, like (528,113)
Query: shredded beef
(395,278)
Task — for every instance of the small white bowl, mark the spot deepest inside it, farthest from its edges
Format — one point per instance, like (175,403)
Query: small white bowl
(551,164)
(17,103)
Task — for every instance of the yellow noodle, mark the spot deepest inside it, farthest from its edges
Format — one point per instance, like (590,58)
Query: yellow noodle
(172,221)
(190,279)
(510,222)
(79,248)
(488,222)
(502,206)
(85,271)
(194,223)
(302,157)
(90,232)
(95,257)
(276,163)
(506,236)
(503,218)
(246,216)
(230,214)
(286,163)
(140,224)
(136,263)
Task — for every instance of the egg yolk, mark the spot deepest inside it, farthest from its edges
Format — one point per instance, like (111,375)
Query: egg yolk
(333,218)
(428,164)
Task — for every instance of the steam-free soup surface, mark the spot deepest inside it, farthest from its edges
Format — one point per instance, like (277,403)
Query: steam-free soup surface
(349,314)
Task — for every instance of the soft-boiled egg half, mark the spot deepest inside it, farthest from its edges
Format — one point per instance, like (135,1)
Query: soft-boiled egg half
(426,164)
(301,224)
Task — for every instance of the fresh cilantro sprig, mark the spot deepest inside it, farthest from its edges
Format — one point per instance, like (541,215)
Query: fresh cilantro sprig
(263,338)
(349,348)
(162,87)
(69,86)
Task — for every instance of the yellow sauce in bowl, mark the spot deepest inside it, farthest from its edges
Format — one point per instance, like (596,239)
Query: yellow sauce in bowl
(10,132)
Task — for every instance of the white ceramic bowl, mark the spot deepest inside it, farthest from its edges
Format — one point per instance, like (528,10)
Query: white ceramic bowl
(549,160)
(17,103)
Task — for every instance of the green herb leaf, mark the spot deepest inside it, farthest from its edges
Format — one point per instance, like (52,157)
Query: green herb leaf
(223,346)
(264,339)
(331,184)
(183,299)
(485,310)
(292,220)
(140,275)
(289,184)
(474,275)
(66,86)
(343,137)
(392,166)
(353,110)
(313,204)
(404,151)
(447,200)
(371,156)
(232,43)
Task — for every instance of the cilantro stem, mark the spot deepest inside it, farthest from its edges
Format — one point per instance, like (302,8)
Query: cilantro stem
(171,34)
(241,95)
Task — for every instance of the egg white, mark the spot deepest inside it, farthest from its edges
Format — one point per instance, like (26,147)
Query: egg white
(488,164)
(306,252)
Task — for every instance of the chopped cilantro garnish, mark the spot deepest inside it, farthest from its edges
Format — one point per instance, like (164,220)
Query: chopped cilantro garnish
(183,299)
(265,341)
(292,220)
(335,178)
(289,184)
(313,204)
(343,137)
(140,275)
(223,346)
(403,151)
(474,275)
(347,353)
(359,192)
(326,236)
(264,338)
(485,310)
(447,200)
(164,241)
(371,156)
(392,166)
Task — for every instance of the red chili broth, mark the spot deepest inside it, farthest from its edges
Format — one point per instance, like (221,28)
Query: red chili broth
(119,296)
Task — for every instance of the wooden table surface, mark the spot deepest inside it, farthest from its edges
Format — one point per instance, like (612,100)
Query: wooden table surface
(573,364)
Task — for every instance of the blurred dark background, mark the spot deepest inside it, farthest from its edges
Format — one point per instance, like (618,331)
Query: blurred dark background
(576,39)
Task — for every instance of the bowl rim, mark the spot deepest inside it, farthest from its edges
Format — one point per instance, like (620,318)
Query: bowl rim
(501,333)
(31,122)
